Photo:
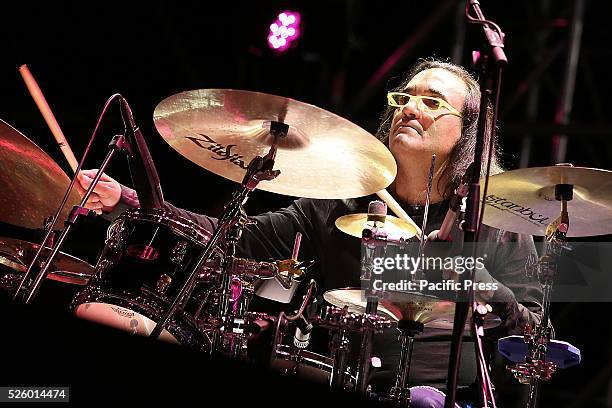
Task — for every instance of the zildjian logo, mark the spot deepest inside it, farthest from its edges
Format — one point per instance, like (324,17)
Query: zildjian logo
(221,152)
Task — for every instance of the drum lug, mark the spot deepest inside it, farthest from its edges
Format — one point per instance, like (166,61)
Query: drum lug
(162,284)
(115,234)
(178,252)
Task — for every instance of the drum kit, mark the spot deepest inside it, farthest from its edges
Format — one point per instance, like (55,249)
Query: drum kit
(161,275)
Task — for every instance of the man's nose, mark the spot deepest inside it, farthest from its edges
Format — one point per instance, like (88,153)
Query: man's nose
(411,109)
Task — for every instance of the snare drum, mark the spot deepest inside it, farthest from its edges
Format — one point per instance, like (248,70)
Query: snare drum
(146,260)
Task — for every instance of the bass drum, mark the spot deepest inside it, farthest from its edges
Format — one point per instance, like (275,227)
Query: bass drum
(147,258)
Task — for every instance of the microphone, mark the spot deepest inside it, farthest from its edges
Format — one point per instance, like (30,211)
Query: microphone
(377,213)
(373,238)
(142,169)
(373,245)
(456,204)
(303,329)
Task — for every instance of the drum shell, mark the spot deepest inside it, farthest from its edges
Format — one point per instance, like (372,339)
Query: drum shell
(147,258)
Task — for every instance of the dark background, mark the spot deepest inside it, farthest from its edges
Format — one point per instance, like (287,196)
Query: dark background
(81,53)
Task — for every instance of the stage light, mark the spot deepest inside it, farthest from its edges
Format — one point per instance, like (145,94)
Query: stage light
(284,30)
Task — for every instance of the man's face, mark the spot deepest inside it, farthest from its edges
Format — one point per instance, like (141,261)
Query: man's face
(414,130)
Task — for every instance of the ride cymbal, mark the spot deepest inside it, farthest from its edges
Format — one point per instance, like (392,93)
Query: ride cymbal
(323,155)
(32,184)
(523,200)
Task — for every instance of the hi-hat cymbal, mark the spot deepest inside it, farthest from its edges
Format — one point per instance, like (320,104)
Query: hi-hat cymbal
(32,184)
(17,255)
(523,200)
(323,156)
(432,312)
(353,225)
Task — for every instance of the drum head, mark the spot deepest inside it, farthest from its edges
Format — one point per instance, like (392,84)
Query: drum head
(120,318)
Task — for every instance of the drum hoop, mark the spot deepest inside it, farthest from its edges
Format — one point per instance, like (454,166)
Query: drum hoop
(179,225)
(284,352)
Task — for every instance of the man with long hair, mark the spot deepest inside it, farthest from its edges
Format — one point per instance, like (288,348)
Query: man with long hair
(433,111)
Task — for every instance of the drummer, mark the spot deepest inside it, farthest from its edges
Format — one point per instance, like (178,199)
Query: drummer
(436,111)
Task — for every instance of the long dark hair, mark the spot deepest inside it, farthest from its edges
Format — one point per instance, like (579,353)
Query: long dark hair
(462,153)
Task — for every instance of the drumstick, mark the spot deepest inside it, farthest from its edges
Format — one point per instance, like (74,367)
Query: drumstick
(44,108)
(398,210)
(296,246)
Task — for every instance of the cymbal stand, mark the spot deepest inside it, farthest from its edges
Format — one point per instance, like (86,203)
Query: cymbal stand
(28,288)
(419,274)
(536,369)
(400,393)
(231,224)
(235,296)
(373,246)
(340,347)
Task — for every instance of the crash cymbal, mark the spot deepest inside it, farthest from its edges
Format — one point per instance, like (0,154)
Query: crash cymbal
(323,156)
(17,255)
(431,311)
(353,225)
(32,184)
(523,200)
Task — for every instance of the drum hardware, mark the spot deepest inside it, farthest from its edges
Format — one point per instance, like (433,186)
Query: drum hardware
(419,274)
(400,393)
(298,361)
(162,284)
(340,348)
(118,143)
(341,322)
(231,223)
(537,368)
(178,252)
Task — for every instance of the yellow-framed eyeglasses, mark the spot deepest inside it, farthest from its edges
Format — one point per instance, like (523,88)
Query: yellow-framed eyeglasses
(426,103)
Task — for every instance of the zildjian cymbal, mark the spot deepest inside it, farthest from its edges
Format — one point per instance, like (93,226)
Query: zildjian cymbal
(523,200)
(322,156)
(32,184)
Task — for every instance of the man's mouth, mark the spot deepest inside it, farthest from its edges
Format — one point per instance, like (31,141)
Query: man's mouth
(399,128)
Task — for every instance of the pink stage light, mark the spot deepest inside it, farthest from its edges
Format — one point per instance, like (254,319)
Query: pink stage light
(284,31)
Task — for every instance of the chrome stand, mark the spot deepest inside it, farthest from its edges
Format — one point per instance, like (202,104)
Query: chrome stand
(536,369)
(232,222)
(400,393)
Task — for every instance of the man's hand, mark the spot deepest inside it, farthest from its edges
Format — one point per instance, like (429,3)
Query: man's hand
(106,194)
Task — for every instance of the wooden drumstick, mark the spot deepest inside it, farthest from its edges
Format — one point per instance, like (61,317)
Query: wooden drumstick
(296,246)
(398,210)
(44,108)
